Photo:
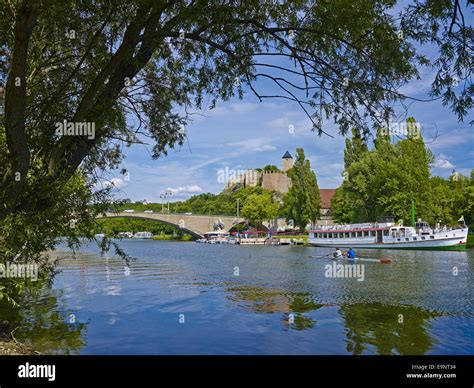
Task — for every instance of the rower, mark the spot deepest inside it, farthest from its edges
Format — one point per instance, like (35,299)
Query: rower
(337,254)
(351,255)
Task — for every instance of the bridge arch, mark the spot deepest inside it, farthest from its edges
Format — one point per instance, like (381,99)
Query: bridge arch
(193,233)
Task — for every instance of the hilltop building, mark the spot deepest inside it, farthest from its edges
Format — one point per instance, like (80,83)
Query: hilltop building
(277,181)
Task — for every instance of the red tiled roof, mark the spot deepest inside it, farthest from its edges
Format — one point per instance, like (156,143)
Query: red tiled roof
(326,196)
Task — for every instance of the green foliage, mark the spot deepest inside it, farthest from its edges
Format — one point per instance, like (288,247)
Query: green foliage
(384,181)
(260,207)
(302,203)
(224,203)
(271,168)
(453,197)
(38,315)
(103,62)
(24,234)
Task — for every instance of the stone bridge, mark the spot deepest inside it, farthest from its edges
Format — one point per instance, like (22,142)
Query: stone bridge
(195,225)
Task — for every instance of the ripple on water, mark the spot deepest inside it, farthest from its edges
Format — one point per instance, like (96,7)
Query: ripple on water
(280,301)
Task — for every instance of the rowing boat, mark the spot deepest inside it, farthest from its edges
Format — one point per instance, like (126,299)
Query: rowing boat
(365,259)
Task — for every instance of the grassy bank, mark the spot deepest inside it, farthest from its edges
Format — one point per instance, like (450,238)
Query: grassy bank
(470,241)
(303,237)
(169,237)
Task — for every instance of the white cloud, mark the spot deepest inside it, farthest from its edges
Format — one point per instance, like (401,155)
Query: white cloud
(189,189)
(442,161)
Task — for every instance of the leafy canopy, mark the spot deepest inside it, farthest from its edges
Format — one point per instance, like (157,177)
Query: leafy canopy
(104,62)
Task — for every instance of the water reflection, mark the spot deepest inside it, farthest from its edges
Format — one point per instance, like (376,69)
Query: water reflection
(369,327)
(292,305)
(41,321)
(388,329)
(281,303)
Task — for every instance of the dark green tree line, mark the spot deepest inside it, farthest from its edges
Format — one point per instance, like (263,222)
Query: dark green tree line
(384,180)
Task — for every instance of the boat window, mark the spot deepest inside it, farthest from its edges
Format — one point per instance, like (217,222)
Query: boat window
(385,232)
(398,239)
(432,237)
(407,239)
(423,238)
(414,238)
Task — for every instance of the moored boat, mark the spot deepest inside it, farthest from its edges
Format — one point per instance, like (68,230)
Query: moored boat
(390,236)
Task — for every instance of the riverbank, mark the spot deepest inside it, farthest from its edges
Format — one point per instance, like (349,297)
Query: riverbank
(9,345)
(168,237)
(470,241)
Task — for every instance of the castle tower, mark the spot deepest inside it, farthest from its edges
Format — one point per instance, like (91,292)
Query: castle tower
(287,161)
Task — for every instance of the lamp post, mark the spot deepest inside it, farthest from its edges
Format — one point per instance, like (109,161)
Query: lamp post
(162,196)
(165,195)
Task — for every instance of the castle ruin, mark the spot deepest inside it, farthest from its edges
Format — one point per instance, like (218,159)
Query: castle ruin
(277,181)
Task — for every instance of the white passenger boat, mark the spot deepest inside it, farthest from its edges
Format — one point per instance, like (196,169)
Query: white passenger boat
(143,235)
(388,235)
(217,237)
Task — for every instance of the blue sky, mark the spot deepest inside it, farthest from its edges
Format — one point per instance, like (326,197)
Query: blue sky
(244,134)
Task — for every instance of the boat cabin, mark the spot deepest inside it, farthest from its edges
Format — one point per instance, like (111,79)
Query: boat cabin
(402,231)
(217,235)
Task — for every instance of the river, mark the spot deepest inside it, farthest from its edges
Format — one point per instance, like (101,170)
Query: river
(188,298)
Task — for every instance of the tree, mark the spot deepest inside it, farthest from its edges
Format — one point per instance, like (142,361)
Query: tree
(346,205)
(259,208)
(302,203)
(271,168)
(391,175)
(356,147)
(452,198)
(75,67)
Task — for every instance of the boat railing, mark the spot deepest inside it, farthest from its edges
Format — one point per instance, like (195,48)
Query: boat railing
(366,225)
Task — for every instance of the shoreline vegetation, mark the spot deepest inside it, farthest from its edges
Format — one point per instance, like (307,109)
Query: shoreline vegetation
(470,241)
(9,345)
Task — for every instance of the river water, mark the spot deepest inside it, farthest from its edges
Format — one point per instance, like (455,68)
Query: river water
(188,298)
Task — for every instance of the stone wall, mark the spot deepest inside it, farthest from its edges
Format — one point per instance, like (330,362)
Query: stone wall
(276,181)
